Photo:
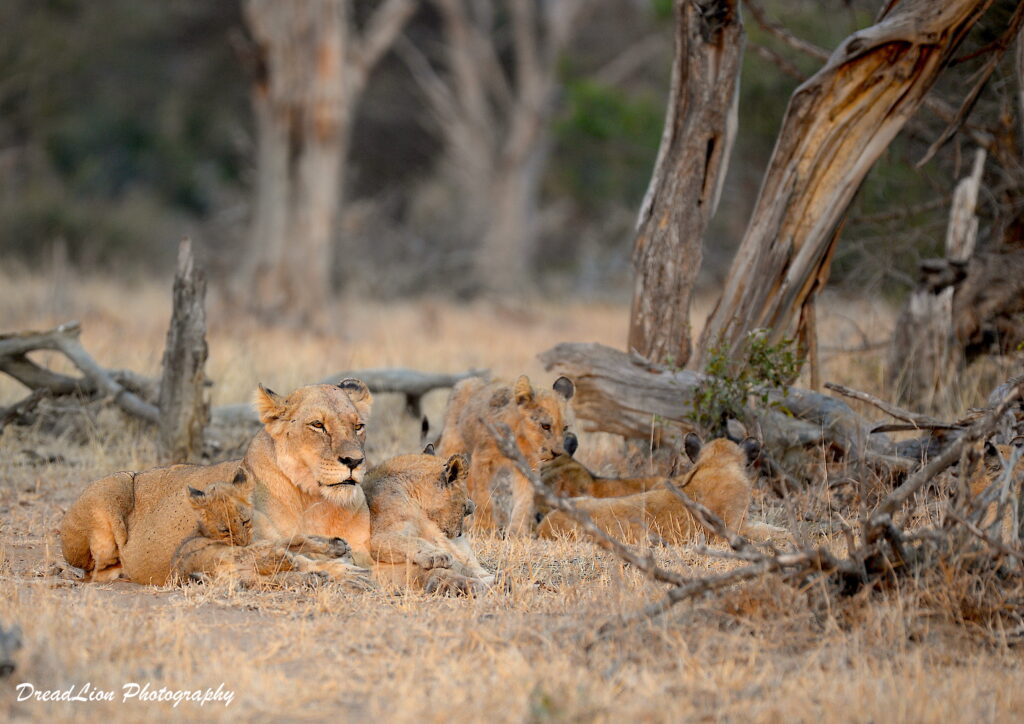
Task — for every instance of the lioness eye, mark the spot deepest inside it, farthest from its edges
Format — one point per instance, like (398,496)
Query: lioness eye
(317,425)
(360,427)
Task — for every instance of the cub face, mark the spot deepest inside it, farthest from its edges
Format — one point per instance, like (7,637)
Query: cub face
(319,433)
(437,486)
(538,418)
(225,510)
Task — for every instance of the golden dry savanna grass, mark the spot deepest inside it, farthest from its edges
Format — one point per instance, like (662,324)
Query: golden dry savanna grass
(760,652)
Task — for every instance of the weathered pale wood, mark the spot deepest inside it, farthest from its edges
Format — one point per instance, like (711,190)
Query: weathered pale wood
(184,409)
(626,395)
(310,69)
(64,339)
(397,380)
(681,199)
(925,354)
(838,123)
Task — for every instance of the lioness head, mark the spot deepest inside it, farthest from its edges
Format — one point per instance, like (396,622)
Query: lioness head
(438,487)
(537,417)
(319,432)
(225,509)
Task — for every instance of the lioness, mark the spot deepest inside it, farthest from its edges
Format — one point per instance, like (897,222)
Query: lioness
(307,464)
(718,480)
(417,506)
(503,496)
(222,545)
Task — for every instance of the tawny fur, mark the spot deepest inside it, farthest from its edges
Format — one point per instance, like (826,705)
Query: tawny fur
(718,480)
(222,545)
(417,507)
(568,478)
(503,496)
(130,524)
(992,469)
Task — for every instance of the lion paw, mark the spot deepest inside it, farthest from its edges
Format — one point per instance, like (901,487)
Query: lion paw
(330,547)
(433,558)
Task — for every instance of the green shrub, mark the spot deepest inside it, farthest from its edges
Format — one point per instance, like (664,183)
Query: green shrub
(730,386)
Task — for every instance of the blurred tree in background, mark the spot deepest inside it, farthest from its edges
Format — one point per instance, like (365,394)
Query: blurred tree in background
(125,124)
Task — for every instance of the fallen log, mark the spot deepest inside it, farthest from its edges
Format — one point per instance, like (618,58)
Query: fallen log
(135,393)
(64,339)
(626,394)
(386,380)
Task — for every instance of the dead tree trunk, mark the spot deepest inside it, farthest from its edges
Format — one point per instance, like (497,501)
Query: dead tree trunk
(925,354)
(310,71)
(837,124)
(184,409)
(699,131)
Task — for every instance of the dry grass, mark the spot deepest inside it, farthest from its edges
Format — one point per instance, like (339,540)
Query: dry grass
(760,652)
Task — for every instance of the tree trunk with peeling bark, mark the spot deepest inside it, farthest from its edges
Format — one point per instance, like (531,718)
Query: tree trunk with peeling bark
(699,131)
(310,69)
(838,123)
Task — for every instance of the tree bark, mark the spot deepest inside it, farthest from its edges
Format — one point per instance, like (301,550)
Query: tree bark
(310,72)
(683,194)
(836,126)
(184,409)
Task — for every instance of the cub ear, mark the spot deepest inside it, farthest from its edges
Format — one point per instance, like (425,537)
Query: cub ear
(270,406)
(752,447)
(196,497)
(735,430)
(241,477)
(571,443)
(455,469)
(564,386)
(359,393)
(429,449)
(523,390)
(692,444)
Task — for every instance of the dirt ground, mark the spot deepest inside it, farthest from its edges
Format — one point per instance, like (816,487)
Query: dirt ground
(758,652)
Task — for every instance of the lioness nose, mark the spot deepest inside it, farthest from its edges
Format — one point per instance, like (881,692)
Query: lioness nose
(352,463)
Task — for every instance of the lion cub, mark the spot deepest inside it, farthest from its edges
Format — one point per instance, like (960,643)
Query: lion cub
(568,478)
(718,480)
(417,507)
(503,496)
(222,544)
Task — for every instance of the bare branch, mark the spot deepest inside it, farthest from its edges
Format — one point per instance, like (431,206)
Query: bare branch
(980,430)
(984,74)
(65,339)
(899,413)
(379,35)
(509,448)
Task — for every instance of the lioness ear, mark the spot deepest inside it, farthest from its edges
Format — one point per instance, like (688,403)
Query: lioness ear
(359,393)
(564,386)
(752,448)
(692,445)
(429,449)
(523,390)
(454,469)
(270,406)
